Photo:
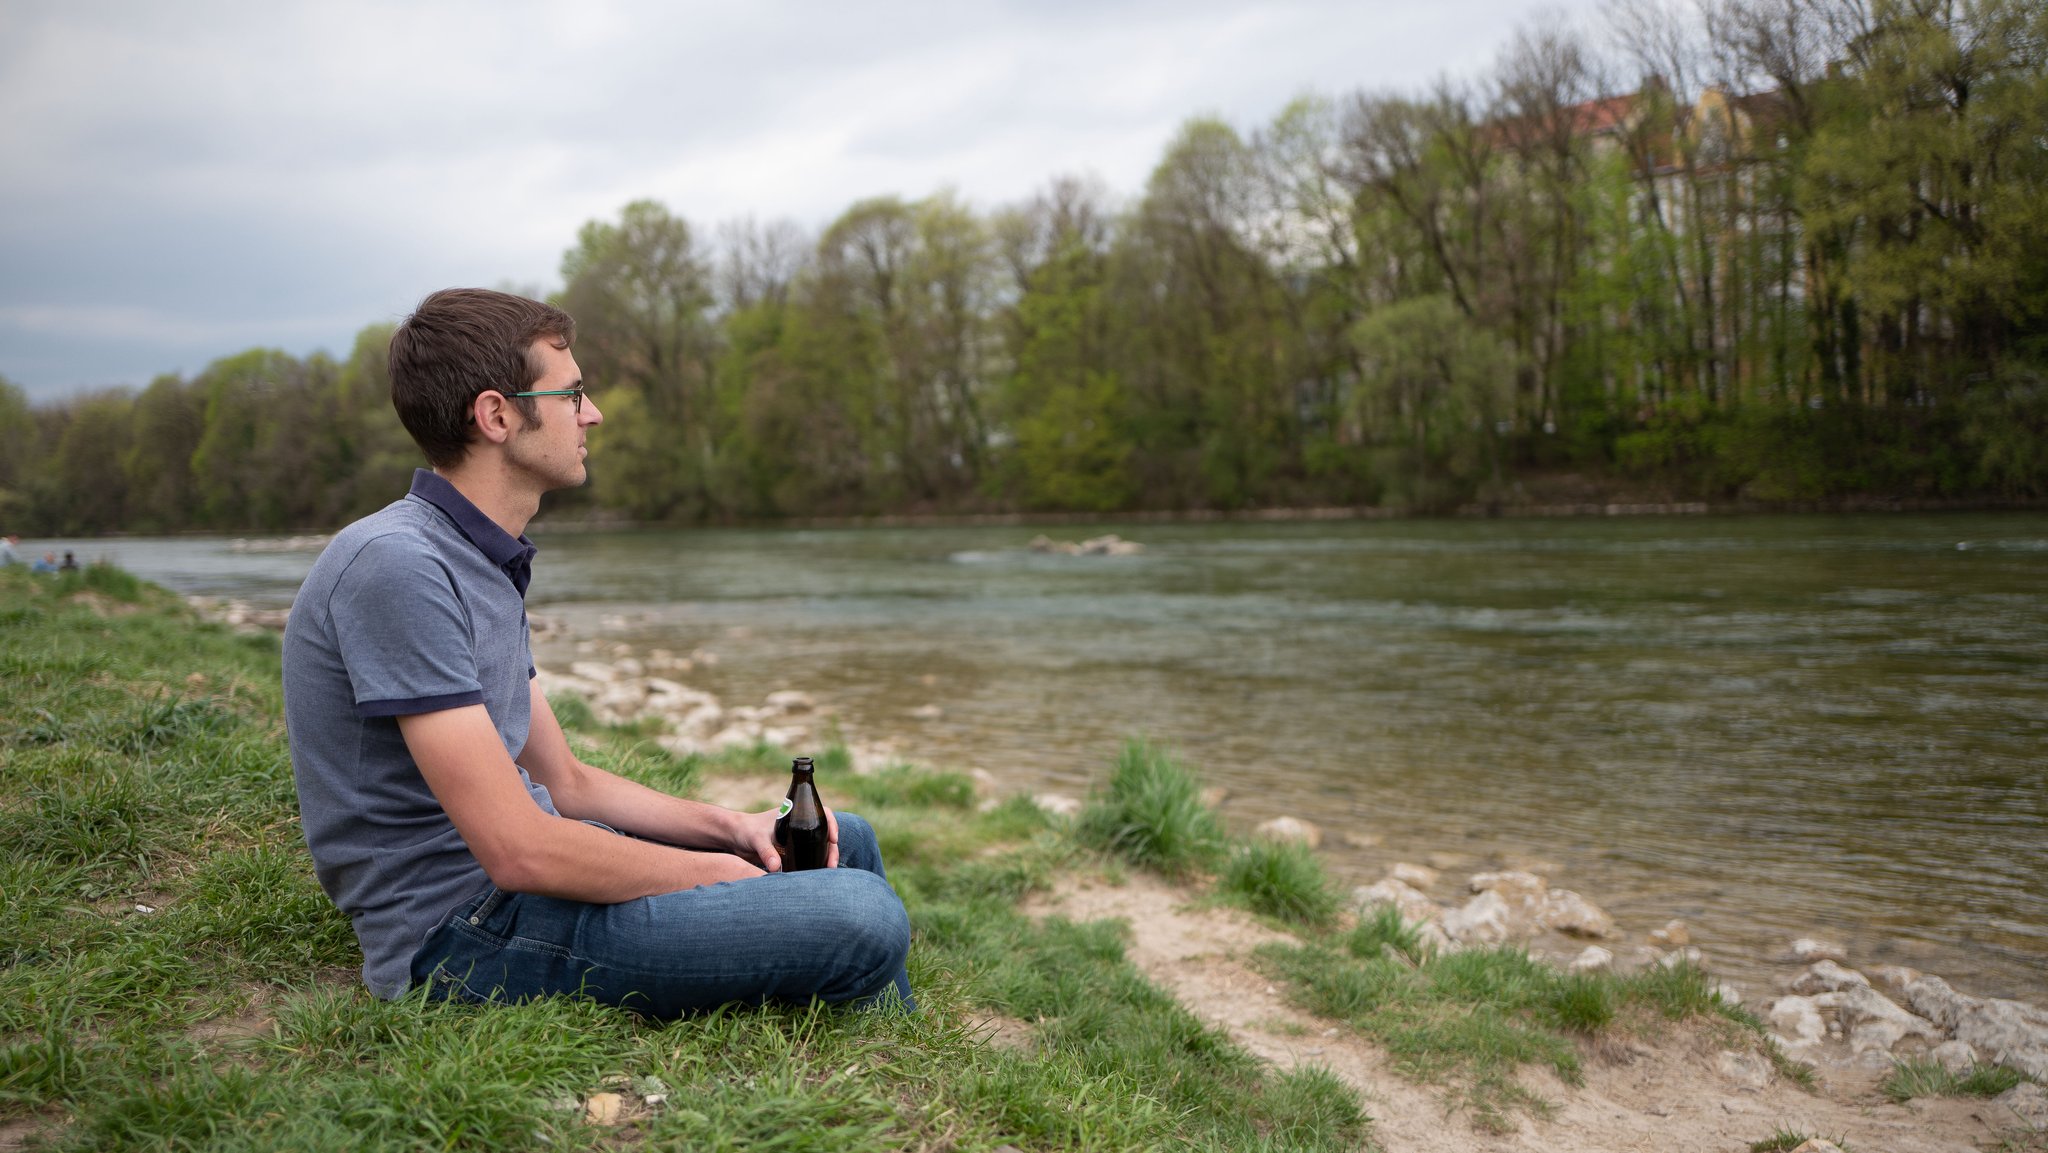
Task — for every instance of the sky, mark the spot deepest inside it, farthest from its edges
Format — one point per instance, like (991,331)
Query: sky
(179,182)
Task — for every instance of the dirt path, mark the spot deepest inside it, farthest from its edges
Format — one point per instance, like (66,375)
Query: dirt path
(1678,1092)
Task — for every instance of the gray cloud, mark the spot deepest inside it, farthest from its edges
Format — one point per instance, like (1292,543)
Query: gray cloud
(185,181)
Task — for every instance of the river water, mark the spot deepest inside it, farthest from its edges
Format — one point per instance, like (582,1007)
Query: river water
(1769,727)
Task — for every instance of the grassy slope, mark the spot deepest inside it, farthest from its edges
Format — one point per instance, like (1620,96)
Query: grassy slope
(171,977)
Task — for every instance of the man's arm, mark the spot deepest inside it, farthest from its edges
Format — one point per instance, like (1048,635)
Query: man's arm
(586,792)
(526,850)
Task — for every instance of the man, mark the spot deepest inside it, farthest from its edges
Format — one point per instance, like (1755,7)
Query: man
(7,554)
(445,811)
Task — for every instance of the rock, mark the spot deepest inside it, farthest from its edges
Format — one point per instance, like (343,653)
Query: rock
(1214,796)
(1412,905)
(1418,876)
(927,713)
(1057,804)
(1827,977)
(733,736)
(1748,1070)
(791,701)
(1434,940)
(1573,915)
(1895,977)
(1954,1056)
(593,670)
(2006,1032)
(1674,934)
(1444,862)
(628,667)
(1729,994)
(1591,959)
(1798,1019)
(603,1108)
(1807,950)
(1873,1021)
(1359,840)
(1524,896)
(2028,1101)
(1817,1145)
(1486,919)
(1686,956)
(1041,543)
(1290,829)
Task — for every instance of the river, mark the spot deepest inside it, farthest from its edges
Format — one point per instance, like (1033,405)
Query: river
(1768,727)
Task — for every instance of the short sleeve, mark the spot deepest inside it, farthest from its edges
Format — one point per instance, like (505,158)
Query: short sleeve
(403,632)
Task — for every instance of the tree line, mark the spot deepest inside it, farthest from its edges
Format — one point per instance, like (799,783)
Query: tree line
(1801,252)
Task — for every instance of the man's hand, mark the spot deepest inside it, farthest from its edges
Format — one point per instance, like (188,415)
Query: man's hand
(753,837)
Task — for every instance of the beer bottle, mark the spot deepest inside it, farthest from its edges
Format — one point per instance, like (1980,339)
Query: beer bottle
(800,833)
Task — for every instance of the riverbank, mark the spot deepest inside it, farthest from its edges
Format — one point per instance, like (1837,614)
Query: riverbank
(1278,988)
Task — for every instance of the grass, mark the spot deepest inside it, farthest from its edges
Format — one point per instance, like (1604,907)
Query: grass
(1284,881)
(172,978)
(1923,1078)
(1152,814)
(1469,1021)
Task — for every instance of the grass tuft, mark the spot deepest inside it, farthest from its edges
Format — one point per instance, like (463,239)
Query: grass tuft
(1284,881)
(1152,814)
(1924,1078)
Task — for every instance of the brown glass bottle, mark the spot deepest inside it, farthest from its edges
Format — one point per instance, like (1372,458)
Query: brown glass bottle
(800,833)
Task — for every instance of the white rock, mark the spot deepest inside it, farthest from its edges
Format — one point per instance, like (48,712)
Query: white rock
(1214,796)
(1817,1145)
(1412,905)
(1434,940)
(1798,1020)
(1895,977)
(1827,977)
(1729,994)
(593,670)
(2029,1102)
(733,736)
(628,667)
(1057,804)
(1874,1021)
(1290,829)
(2006,1032)
(1569,913)
(1674,934)
(1591,959)
(1419,876)
(1686,956)
(791,701)
(1954,1056)
(1486,919)
(927,713)
(1807,950)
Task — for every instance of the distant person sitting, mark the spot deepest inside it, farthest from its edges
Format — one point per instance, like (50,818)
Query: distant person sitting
(70,564)
(7,554)
(47,564)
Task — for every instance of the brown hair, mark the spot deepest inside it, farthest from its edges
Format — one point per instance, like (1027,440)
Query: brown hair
(459,343)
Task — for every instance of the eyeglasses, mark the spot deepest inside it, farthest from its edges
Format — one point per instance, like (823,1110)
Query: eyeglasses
(576,395)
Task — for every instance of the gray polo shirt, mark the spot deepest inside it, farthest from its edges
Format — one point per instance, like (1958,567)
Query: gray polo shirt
(416,608)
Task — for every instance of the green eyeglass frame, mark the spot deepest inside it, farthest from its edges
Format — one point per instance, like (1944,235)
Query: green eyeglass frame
(575,393)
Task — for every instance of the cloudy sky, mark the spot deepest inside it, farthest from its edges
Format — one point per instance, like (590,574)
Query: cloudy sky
(183,181)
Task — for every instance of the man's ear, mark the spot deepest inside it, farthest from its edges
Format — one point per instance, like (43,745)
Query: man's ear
(494,416)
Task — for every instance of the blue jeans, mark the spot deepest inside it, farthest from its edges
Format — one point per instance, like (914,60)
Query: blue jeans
(834,934)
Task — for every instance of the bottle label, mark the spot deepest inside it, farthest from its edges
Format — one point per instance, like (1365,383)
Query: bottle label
(784,809)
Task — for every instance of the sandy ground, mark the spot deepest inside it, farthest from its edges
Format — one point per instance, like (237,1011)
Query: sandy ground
(1675,1092)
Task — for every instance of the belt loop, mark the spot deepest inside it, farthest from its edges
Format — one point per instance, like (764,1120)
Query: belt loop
(487,906)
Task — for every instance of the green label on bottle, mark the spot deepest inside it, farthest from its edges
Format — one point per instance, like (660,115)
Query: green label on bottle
(786,806)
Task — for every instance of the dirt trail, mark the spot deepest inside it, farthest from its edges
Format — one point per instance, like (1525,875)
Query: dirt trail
(1678,1092)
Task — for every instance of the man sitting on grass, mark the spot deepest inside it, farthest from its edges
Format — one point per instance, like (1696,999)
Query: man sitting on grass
(447,814)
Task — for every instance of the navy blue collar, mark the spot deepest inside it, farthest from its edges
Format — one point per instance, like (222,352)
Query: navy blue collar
(513,555)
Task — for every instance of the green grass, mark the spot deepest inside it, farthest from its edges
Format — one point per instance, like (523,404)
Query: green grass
(1468,1021)
(143,767)
(1283,881)
(1923,1078)
(1151,814)
(1785,1140)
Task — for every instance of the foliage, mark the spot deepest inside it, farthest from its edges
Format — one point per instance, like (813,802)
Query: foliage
(1284,881)
(1805,258)
(1152,814)
(1924,1078)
